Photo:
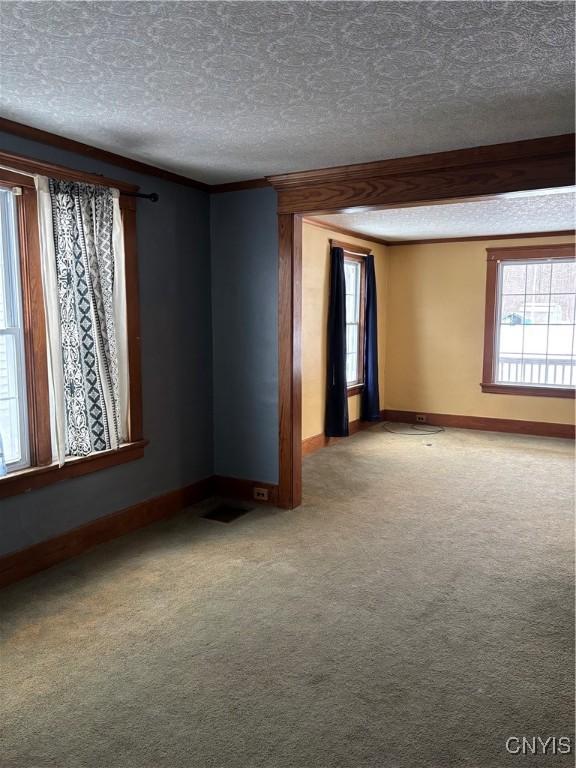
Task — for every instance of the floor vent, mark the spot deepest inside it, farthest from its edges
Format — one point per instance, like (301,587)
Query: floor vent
(225,513)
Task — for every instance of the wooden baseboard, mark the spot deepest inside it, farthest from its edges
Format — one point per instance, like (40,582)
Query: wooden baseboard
(515,426)
(25,562)
(232,487)
(314,443)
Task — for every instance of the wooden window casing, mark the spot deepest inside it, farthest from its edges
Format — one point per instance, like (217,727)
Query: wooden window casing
(496,256)
(42,471)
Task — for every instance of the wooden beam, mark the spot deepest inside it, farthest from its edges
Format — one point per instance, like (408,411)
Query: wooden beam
(496,169)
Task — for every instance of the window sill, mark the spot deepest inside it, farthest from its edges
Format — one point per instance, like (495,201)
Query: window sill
(531,391)
(36,477)
(355,389)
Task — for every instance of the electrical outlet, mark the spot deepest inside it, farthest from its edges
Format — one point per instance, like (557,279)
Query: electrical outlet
(261,494)
(421,418)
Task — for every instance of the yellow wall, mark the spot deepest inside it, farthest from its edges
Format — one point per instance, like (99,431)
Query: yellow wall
(315,290)
(435,334)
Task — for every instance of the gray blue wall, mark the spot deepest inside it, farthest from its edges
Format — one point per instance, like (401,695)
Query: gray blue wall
(176,320)
(245,332)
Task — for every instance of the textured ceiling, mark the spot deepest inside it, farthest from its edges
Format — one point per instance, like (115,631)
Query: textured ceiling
(497,216)
(222,91)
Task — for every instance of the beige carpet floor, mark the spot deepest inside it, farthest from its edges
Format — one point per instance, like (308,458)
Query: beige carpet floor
(415,612)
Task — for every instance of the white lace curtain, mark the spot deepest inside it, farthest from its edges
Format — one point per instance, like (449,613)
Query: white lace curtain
(82,251)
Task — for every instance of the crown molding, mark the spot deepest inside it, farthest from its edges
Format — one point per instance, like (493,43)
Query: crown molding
(484,238)
(553,147)
(313,222)
(235,186)
(343,231)
(457,158)
(79,148)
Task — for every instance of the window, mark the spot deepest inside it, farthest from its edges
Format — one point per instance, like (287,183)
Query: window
(354,279)
(26,431)
(14,449)
(530,339)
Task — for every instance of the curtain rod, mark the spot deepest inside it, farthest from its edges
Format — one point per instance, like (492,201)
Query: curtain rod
(152,196)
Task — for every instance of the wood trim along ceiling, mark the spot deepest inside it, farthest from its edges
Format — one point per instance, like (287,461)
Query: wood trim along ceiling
(235,186)
(25,562)
(343,231)
(548,147)
(489,170)
(310,220)
(457,158)
(80,148)
(483,238)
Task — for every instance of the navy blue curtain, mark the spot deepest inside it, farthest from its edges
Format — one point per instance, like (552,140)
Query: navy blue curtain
(336,417)
(370,403)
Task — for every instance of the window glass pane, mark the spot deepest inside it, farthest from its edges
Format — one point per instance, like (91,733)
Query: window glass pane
(13,406)
(560,339)
(512,309)
(513,278)
(352,274)
(351,368)
(536,341)
(352,339)
(351,309)
(9,399)
(350,268)
(562,307)
(511,339)
(3,297)
(537,309)
(563,277)
(538,277)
